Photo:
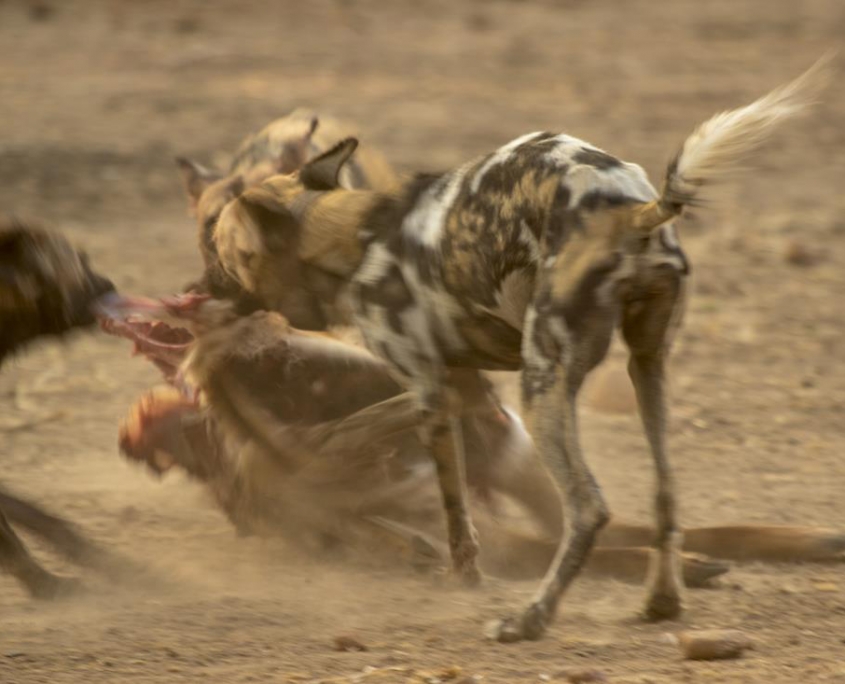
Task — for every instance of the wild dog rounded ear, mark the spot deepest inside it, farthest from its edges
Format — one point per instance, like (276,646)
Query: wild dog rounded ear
(322,172)
(195,179)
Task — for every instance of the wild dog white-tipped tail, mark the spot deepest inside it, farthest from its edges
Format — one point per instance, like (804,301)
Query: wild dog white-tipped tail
(718,147)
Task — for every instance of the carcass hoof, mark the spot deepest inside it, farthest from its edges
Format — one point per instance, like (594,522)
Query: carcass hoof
(698,570)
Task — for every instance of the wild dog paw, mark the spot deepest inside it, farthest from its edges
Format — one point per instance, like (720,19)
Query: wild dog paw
(465,564)
(531,626)
(662,606)
(458,578)
(470,576)
(49,587)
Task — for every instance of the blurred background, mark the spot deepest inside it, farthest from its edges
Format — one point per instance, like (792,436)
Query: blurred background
(97,97)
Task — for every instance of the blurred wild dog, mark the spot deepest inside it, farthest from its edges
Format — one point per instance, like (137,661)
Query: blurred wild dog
(47,289)
(527,258)
(281,147)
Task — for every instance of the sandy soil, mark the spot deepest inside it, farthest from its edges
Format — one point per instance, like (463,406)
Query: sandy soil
(97,98)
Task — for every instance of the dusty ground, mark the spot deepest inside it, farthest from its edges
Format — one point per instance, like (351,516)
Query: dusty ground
(97,97)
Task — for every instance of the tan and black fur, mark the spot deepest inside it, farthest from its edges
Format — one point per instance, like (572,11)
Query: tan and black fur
(529,258)
(280,148)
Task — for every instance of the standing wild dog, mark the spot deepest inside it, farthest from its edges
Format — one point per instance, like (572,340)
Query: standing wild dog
(529,258)
(46,289)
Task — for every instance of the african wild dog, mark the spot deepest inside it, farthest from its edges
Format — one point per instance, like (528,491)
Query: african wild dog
(529,258)
(281,147)
(46,289)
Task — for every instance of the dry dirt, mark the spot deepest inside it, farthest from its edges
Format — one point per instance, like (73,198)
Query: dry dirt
(97,98)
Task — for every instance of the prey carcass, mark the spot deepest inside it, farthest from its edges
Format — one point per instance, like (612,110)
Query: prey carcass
(304,436)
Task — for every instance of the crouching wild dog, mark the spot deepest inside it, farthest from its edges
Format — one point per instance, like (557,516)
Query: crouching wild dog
(529,257)
(46,289)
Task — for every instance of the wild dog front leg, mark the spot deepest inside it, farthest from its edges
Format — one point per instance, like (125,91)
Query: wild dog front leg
(406,342)
(17,561)
(441,434)
(60,534)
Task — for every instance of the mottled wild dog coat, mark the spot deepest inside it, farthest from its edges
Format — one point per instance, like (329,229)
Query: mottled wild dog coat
(530,258)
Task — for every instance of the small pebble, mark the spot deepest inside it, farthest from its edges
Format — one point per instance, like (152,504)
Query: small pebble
(713,644)
(348,643)
(451,673)
(798,254)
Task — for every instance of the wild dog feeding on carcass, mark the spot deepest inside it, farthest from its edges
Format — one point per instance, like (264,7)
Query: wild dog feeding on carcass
(282,147)
(529,258)
(47,289)
(304,436)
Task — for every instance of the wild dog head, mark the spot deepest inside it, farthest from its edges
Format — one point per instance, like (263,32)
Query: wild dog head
(289,244)
(280,148)
(275,154)
(46,286)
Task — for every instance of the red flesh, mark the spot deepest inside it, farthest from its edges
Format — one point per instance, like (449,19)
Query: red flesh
(153,431)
